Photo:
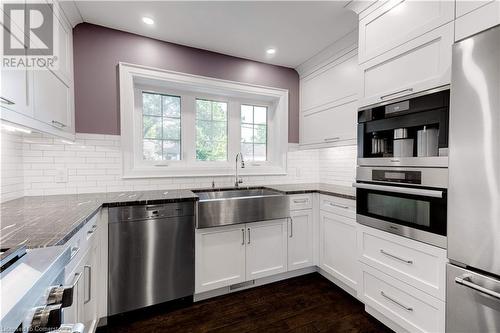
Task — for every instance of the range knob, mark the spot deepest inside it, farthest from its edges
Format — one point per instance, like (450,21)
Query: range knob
(70,328)
(61,295)
(46,318)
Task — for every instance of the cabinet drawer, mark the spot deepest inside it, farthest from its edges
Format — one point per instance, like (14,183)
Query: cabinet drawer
(300,201)
(418,264)
(410,308)
(397,22)
(418,65)
(81,242)
(339,206)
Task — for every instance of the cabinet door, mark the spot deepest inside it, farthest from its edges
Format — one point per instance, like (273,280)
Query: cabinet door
(485,16)
(338,248)
(220,257)
(266,250)
(90,290)
(421,64)
(332,126)
(398,22)
(52,100)
(74,313)
(300,249)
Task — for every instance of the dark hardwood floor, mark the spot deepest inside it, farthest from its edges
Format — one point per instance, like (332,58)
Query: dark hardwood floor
(307,303)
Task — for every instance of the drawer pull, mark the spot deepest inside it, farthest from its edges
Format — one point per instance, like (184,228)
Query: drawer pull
(396,302)
(396,93)
(337,205)
(337,138)
(406,261)
(465,280)
(242,237)
(291,227)
(6,101)
(74,251)
(300,200)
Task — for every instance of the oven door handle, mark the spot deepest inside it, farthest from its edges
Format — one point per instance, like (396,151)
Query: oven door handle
(399,189)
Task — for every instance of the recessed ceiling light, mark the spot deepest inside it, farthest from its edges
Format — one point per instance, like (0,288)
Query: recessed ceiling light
(148,20)
(271,51)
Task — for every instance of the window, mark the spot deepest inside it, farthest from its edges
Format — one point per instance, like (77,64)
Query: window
(254,132)
(182,125)
(211,130)
(161,127)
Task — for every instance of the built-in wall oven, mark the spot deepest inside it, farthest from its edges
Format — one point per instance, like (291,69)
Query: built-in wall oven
(402,174)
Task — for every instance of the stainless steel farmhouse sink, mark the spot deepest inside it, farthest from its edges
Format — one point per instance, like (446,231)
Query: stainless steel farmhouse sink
(218,208)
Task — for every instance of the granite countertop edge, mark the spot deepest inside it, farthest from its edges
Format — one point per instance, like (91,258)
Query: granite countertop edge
(190,196)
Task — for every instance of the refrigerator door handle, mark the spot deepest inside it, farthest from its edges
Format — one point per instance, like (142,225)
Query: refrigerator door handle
(465,280)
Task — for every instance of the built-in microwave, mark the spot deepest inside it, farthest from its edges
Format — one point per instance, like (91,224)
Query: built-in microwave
(408,131)
(410,202)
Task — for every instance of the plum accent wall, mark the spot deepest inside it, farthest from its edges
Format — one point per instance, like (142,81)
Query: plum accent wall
(98,50)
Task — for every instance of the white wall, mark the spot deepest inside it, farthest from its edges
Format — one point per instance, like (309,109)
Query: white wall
(11,171)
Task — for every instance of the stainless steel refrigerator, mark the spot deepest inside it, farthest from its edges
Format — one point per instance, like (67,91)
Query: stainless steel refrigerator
(473,277)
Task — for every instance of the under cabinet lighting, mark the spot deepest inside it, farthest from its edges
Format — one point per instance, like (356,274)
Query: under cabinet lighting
(148,20)
(271,51)
(11,128)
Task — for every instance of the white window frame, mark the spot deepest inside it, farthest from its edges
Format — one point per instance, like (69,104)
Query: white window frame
(135,78)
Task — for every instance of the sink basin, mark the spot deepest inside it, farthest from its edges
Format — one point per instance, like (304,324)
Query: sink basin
(218,208)
(235,194)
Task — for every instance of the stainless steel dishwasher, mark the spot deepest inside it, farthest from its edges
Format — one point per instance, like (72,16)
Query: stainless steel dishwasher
(151,255)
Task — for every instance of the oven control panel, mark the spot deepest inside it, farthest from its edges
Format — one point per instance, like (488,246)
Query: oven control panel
(394,176)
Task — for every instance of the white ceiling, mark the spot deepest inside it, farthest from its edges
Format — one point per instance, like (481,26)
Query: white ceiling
(298,30)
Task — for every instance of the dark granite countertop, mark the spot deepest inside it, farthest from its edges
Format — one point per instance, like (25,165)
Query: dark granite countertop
(43,221)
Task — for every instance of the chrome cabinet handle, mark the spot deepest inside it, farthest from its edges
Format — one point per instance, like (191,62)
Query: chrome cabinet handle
(406,261)
(248,236)
(7,101)
(74,251)
(89,268)
(407,308)
(291,227)
(337,205)
(76,278)
(465,280)
(393,160)
(300,200)
(399,189)
(332,139)
(91,231)
(243,237)
(396,93)
(58,124)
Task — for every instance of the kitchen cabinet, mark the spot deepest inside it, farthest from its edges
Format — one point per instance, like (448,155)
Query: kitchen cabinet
(43,99)
(300,238)
(466,6)
(328,103)
(266,250)
(90,285)
(398,22)
(420,64)
(220,257)
(338,248)
(481,15)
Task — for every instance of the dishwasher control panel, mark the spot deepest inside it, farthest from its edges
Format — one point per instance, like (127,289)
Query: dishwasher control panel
(142,212)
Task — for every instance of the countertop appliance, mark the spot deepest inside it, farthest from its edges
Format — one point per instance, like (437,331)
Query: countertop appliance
(388,131)
(32,295)
(473,286)
(151,255)
(409,202)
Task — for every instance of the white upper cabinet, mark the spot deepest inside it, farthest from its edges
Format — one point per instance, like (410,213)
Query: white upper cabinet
(398,22)
(420,64)
(328,102)
(266,250)
(64,46)
(220,257)
(475,16)
(300,239)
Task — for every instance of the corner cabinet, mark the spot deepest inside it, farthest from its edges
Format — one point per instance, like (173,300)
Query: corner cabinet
(43,99)
(329,103)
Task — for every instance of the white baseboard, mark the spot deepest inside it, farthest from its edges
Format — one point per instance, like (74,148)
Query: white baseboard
(384,320)
(351,291)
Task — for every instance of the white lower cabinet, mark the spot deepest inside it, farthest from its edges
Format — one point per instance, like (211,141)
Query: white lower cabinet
(338,249)
(220,257)
(266,249)
(300,239)
(408,307)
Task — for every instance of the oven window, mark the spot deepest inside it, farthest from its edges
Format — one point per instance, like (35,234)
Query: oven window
(410,211)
